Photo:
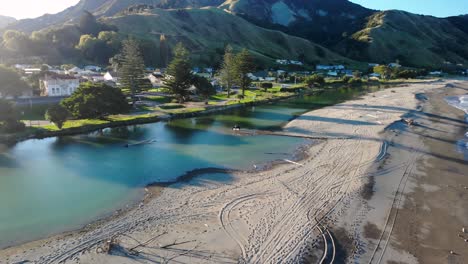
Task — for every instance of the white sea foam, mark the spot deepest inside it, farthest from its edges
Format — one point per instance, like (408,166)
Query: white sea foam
(460,102)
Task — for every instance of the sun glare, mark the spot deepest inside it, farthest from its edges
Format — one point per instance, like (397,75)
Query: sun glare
(33,8)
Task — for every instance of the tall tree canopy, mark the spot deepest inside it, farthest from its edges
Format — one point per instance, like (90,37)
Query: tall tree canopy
(163,50)
(228,73)
(244,65)
(179,73)
(11,83)
(132,67)
(88,24)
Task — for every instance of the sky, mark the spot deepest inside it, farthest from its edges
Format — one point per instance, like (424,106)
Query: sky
(442,8)
(439,8)
(33,8)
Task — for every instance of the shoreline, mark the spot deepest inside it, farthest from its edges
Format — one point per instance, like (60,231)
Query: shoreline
(289,168)
(85,129)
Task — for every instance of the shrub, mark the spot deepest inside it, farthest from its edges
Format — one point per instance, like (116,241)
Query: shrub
(355,81)
(266,86)
(171,106)
(346,79)
(315,80)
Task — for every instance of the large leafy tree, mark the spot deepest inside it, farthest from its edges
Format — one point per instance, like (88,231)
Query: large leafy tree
(57,114)
(228,73)
(244,65)
(179,74)
(96,100)
(11,83)
(204,87)
(132,67)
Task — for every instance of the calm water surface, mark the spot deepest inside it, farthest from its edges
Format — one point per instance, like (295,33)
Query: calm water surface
(53,185)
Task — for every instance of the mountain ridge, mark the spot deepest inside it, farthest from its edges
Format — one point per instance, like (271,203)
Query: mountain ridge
(6,20)
(339,25)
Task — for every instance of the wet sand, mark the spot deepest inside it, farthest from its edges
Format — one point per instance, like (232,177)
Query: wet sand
(434,207)
(338,203)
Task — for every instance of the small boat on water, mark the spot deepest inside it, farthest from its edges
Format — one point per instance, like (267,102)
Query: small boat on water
(236,128)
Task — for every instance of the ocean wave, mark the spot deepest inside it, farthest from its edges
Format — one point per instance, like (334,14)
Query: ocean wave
(460,102)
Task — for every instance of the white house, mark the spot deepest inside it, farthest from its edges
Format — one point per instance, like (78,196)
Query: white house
(111,77)
(329,67)
(282,62)
(332,73)
(157,80)
(59,85)
(435,73)
(293,62)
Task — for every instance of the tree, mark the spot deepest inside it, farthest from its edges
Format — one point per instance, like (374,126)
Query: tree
(132,68)
(383,70)
(57,114)
(204,86)
(9,121)
(163,51)
(88,24)
(266,86)
(315,80)
(11,83)
(96,100)
(179,74)
(17,42)
(244,65)
(228,73)
(97,49)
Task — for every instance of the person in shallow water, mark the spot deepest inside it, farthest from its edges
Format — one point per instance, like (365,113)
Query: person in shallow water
(236,127)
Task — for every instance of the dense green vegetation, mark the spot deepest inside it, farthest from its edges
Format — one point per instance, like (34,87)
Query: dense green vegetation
(179,74)
(9,118)
(96,100)
(11,82)
(57,114)
(132,68)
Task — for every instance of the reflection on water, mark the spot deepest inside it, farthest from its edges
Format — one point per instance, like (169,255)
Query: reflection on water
(57,184)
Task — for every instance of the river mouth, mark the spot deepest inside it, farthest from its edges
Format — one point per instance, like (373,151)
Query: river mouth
(55,185)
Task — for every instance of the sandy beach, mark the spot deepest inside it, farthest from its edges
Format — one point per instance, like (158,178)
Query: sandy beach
(375,191)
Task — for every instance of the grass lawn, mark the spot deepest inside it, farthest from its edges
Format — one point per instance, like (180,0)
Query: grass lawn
(76,123)
(158,99)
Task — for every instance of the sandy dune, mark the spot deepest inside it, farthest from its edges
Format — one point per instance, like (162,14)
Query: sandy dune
(282,215)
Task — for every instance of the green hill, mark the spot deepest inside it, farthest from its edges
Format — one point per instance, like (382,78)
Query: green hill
(414,40)
(208,30)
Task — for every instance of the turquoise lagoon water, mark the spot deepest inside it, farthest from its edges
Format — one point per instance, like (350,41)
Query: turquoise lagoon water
(58,184)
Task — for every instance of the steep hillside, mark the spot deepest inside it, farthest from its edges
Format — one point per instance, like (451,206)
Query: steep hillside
(461,22)
(322,21)
(4,21)
(207,30)
(412,39)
